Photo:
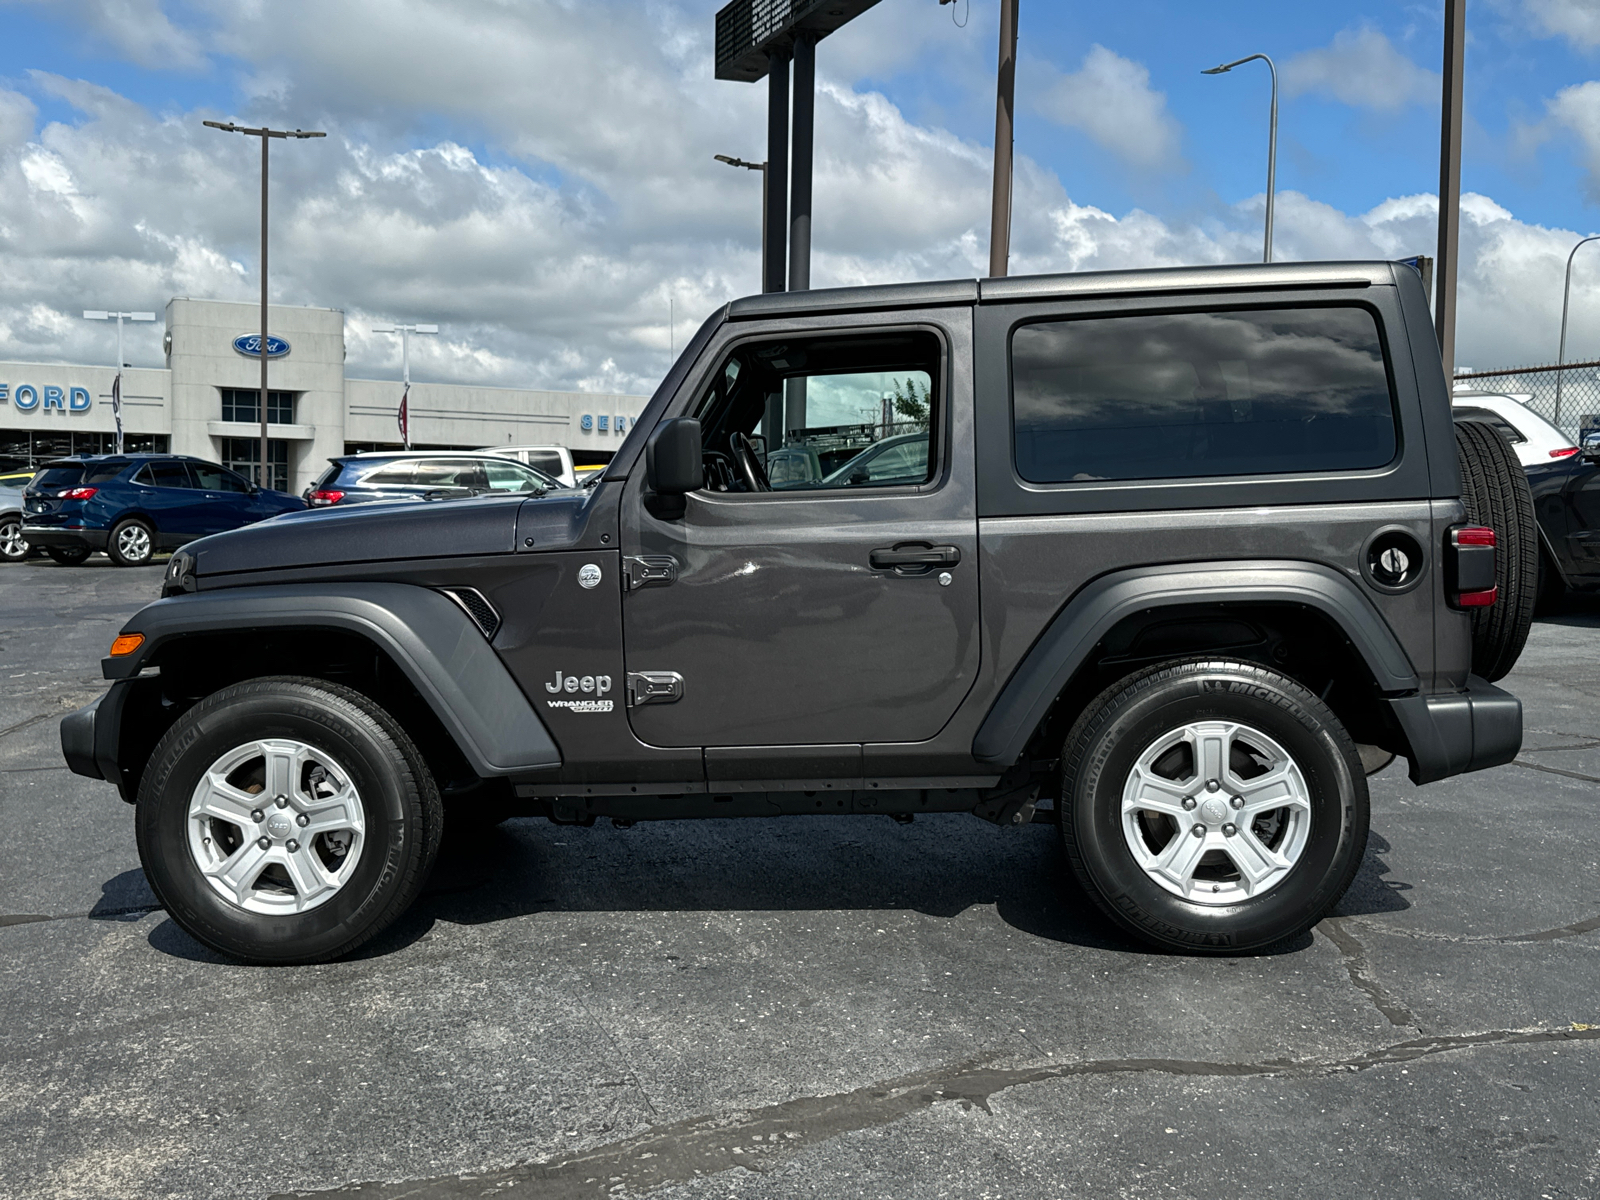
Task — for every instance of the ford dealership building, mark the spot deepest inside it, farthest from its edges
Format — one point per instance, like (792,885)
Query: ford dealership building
(205,401)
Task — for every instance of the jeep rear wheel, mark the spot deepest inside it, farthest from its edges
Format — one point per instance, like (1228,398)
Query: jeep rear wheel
(1494,488)
(286,820)
(1212,807)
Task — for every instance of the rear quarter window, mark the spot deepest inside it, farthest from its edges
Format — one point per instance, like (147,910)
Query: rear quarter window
(1184,395)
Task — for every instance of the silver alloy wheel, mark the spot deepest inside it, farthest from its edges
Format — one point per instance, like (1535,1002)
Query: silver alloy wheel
(133,542)
(276,826)
(1216,812)
(12,544)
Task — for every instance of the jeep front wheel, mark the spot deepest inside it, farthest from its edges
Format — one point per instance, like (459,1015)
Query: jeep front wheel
(286,820)
(1213,807)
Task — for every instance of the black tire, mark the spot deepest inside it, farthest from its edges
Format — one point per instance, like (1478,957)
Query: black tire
(13,548)
(126,548)
(398,797)
(1133,716)
(69,556)
(1494,488)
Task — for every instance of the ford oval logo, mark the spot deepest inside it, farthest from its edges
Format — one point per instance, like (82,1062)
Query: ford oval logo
(250,344)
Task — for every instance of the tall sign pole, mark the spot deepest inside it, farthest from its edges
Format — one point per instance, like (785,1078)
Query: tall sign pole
(775,194)
(1445,266)
(265,134)
(805,104)
(1005,103)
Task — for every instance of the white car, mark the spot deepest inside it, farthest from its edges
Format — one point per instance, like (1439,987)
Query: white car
(1533,438)
(555,461)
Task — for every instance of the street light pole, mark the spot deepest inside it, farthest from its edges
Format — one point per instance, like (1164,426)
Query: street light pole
(97,314)
(762,167)
(265,476)
(1448,255)
(1561,352)
(1272,140)
(405,332)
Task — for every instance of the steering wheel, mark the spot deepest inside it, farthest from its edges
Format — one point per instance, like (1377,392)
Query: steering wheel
(750,468)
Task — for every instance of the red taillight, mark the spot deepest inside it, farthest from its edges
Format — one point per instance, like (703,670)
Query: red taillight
(78,493)
(323,497)
(1564,452)
(1470,568)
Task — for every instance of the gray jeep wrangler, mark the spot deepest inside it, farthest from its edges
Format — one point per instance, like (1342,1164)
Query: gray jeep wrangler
(1169,558)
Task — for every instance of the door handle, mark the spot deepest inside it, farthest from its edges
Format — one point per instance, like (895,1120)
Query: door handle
(913,558)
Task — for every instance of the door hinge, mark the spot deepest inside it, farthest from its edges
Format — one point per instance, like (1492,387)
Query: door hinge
(647,570)
(654,687)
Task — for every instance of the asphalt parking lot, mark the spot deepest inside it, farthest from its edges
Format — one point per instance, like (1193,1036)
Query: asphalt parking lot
(803,1007)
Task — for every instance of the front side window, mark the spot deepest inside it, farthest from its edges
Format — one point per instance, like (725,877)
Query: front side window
(165,475)
(822,413)
(213,478)
(1184,395)
(510,476)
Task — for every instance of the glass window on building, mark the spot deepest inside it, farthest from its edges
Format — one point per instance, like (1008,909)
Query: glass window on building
(244,404)
(25,449)
(244,456)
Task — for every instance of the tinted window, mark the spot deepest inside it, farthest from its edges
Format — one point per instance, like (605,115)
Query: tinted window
(1179,395)
(104,472)
(54,478)
(546,461)
(166,474)
(215,479)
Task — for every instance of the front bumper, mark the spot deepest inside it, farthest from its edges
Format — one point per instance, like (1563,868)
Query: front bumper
(64,538)
(1454,732)
(90,736)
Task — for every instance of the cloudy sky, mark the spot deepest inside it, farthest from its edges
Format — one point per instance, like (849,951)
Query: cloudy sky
(537,175)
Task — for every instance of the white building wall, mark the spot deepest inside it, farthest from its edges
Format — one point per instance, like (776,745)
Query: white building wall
(184,401)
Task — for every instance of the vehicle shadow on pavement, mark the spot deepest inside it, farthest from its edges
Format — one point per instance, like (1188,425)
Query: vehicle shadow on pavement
(941,867)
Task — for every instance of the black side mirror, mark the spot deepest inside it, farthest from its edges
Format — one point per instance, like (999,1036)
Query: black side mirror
(673,466)
(1590,445)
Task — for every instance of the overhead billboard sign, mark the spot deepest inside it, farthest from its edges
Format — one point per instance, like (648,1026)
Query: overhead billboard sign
(748,30)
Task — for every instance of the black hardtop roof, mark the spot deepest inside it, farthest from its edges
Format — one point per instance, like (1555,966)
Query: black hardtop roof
(1229,277)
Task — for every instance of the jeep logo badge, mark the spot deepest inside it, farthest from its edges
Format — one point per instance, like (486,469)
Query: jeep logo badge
(588,575)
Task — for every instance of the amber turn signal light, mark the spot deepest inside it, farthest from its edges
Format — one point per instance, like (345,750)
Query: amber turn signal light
(126,644)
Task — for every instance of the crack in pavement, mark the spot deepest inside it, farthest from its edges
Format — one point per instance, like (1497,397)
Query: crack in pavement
(1576,929)
(33,720)
(7,919)
(1555,770)
(761,1139)
(1359,968)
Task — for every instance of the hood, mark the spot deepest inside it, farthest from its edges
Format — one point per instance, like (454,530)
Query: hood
(364,533)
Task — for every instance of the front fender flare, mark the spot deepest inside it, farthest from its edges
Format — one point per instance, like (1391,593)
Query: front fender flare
(1097,608)
(426,634)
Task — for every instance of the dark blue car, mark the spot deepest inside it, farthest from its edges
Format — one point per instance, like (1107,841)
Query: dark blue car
(131,505)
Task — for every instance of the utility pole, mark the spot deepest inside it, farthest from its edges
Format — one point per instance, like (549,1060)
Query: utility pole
(95,314)
(1005,103)
(266,135)
(405,332)
(1455,43)
(1561,351)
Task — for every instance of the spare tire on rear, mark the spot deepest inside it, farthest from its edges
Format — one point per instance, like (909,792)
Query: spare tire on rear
(1495,490)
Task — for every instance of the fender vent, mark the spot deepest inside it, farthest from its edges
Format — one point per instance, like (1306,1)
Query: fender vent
(476,607)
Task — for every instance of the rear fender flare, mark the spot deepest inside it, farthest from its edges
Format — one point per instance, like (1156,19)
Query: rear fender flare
(427,635)
(1070,637)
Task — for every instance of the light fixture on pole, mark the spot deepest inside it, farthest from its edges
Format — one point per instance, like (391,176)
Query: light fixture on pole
(1272,138)
(1561,352)
(762,167)
(266,135)
(97,314)
(405,332)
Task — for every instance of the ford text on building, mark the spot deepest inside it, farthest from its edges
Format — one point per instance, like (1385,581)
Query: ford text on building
(206,401)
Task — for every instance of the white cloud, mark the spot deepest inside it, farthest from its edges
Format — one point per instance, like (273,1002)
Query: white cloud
(1110,99)
(1576,20)
(587,202)
(138,30)
(1577,110)
(1361,67)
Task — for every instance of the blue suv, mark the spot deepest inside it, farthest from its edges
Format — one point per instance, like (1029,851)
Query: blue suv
(131,505)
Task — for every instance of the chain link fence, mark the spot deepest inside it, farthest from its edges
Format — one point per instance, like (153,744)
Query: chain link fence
(1567,396)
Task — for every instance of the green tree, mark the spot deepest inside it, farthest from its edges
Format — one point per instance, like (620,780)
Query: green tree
(909,404)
